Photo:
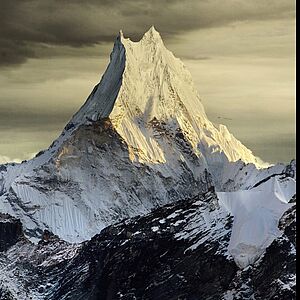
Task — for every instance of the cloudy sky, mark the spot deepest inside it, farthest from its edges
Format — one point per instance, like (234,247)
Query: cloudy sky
(241,54)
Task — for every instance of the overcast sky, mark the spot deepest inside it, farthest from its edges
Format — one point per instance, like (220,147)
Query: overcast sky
(241,54)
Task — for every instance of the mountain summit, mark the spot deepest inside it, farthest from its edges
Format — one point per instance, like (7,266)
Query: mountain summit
(144,85)
(140,141)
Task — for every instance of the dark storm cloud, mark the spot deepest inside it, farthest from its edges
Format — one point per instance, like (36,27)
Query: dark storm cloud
(25,25)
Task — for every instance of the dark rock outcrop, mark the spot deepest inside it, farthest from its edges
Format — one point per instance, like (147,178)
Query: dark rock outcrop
(178,251)
(11,231)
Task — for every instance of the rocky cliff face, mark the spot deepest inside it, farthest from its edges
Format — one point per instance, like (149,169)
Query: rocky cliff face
(178,251)
(11,231)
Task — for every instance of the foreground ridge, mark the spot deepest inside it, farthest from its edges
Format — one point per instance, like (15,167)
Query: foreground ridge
(177,250)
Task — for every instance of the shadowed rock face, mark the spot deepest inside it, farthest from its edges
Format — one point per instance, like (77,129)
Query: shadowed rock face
(144,259)
(175,252)
(166,254)
(10,231)
(161,267)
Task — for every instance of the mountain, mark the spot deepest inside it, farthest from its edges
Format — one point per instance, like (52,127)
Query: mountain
(133,146)
(141,142)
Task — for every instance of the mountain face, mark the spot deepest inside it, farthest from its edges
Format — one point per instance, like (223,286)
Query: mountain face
(178,251)
(140,142)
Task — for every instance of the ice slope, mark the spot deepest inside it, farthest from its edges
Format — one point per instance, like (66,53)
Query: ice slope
(141,140)
(256,215)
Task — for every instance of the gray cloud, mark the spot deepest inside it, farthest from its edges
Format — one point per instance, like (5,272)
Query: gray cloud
(26,25)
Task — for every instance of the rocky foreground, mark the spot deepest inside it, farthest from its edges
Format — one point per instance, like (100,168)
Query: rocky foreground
(178,251)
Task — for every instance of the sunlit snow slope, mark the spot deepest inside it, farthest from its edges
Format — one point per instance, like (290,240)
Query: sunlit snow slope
(144,86)
(141,140)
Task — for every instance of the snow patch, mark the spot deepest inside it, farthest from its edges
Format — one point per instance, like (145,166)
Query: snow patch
(256,215)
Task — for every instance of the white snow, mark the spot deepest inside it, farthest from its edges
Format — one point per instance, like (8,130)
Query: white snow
(256,215)
(172,215)
(204,225)
(177,223)
(155,228)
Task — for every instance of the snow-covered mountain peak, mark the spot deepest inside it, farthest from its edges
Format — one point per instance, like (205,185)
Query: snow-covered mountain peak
(148,75)
(141,140)
(152,35)
(146,84)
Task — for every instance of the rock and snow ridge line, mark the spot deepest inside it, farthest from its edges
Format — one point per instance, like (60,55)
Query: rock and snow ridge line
(187,242)
(133,146)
